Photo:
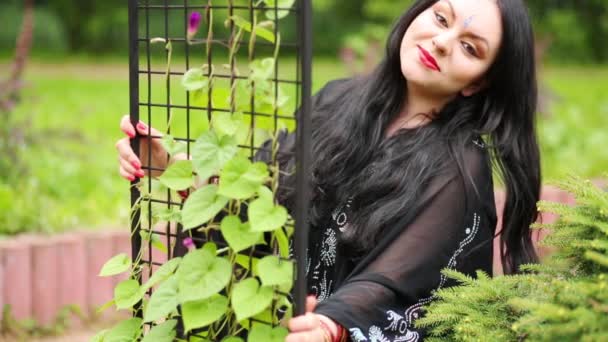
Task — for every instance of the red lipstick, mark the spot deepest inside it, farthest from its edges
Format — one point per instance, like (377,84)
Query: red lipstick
(427,59)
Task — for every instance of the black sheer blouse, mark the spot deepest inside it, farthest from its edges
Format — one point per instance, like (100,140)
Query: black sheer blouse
(377,296)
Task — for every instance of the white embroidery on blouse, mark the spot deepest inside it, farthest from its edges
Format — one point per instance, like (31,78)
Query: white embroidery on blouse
(394,318)
(308,262)
(410,336)
(322,290)
(328,247)
(357,335)
(340,217)
(376,335)
(401,324)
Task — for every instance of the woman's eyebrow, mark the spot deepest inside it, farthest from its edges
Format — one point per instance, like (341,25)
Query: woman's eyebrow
(451,8)
(480,38)
(473,35)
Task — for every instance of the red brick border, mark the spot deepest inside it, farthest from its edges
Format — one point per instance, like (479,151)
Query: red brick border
(41,274)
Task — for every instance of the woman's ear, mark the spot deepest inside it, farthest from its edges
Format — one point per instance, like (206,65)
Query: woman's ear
(473,88)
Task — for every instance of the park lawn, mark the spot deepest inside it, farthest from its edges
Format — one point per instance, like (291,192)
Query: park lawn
(76,107)
(573,138)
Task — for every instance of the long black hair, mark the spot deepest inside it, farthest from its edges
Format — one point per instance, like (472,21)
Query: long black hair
(348,131)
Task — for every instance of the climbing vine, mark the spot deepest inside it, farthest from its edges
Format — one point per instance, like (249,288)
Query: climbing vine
(213,297)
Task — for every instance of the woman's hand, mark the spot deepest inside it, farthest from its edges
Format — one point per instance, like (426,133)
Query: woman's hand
(130,165)
(307,328)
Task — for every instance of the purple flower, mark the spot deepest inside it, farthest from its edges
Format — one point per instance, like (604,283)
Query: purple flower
(189,243)
(193,24)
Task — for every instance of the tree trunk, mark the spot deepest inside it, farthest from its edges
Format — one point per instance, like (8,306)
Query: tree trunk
(9,89)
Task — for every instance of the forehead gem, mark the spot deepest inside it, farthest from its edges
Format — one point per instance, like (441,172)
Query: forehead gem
(468,21)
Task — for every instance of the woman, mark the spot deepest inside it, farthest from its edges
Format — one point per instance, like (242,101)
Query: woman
(402,171)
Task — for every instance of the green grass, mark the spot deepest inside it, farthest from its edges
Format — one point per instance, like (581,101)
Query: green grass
(76,106)
(573,136)
(73,170)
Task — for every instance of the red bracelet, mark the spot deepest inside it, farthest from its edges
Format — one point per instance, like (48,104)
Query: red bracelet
(339,337)
(342,336)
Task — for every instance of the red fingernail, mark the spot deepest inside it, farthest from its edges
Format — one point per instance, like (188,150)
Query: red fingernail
(136,165)
(140,173)
(142,126)
(183,194)
(131,134)
(131,178)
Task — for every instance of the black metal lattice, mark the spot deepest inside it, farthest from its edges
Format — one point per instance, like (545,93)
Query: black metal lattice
(156,100)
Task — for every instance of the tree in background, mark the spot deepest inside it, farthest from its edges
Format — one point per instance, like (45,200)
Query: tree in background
(12,136)
(576,30)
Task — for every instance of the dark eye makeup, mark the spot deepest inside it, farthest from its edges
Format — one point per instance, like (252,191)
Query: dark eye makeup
(467,47)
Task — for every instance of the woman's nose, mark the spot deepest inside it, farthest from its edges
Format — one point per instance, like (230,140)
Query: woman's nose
(441,43)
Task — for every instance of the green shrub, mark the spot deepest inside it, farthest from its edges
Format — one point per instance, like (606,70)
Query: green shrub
(563,299)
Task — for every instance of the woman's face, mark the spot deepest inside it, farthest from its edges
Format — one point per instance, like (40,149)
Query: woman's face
(462,36)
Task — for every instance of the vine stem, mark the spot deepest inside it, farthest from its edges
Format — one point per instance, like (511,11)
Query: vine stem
(232,257)
(169,48)
(210,29)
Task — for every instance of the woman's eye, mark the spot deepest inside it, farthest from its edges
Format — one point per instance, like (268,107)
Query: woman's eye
(441,19)
(469,48)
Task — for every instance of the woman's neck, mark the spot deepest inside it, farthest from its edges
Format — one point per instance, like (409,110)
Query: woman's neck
(417,110)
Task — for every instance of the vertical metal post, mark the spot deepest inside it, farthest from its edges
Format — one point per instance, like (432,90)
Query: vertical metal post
(134,116)
(303,155)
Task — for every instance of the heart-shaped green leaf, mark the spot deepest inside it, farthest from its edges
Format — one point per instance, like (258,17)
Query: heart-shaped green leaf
(200,313)
(237,234)
(226,123)
(264,317)
(233,339)
(265,216)
(148,236)
(127,293)
(201,206)
(178,176)
(201,275)
(283,242)
(273,271)
(280,13)
(249,298)
(171,146)
(264,33)
(259,31)
(243,260)
(240,178)
(269,96)
(210,153)
(265,333)
(163,300)
(118,264)
(99,337)
(265,193)
(195,79)
(164,332)
(261,69)
(162,273)
(168,214)
(128,330)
